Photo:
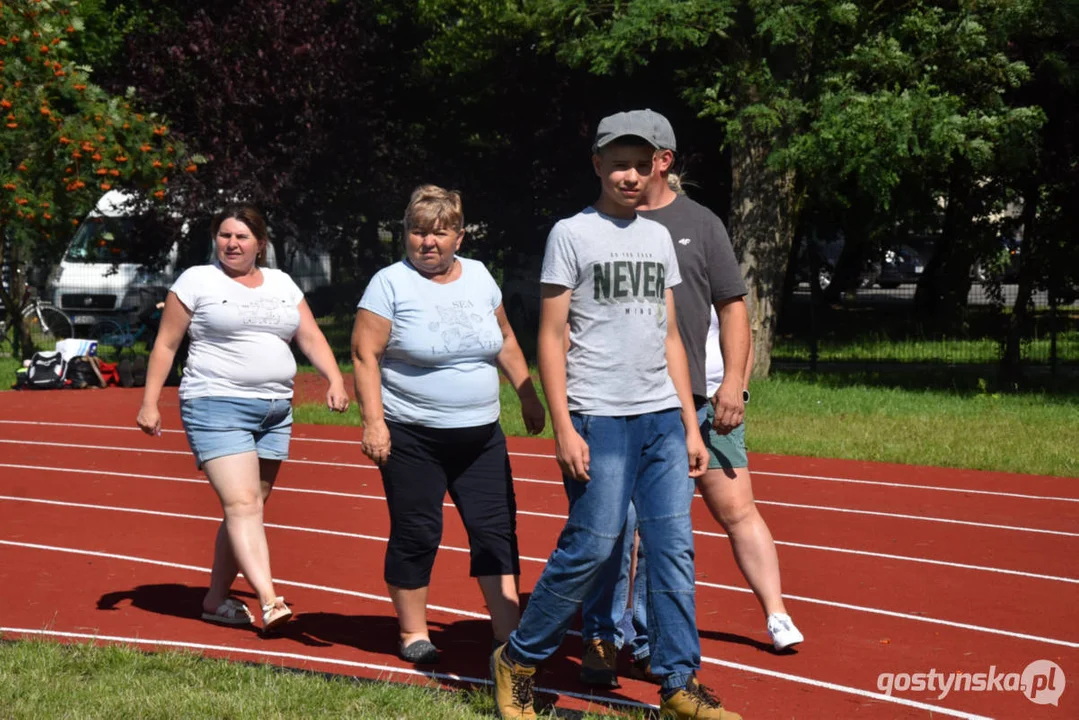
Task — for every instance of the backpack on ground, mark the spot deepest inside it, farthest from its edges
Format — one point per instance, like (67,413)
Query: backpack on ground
(47,370)
(83,372)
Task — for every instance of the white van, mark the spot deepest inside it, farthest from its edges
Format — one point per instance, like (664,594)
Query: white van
(96,277)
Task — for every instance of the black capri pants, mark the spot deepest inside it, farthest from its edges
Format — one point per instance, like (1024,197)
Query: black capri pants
(473,465)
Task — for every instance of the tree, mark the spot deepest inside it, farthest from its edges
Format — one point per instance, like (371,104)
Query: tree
(828,97)
(1047,179)
(303,107)
(63,142)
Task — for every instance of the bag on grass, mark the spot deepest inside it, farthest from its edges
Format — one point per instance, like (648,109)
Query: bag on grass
(72,348)
(108,372)
(83,372)
(47,371)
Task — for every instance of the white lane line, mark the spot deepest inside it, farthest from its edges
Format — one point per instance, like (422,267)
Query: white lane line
(819,508)
(845,689)
(906,486)
(173,452)
(922,518)
(203,481)
(908,558)
(702,533)
(737,666)
(355,536)
(797,476)
(899,615)
(390,669)
(207,518)
(196,568)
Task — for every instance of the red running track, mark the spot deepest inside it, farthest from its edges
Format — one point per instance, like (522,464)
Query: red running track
(886,568)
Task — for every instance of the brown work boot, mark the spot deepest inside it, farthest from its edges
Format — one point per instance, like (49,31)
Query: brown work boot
(599,664)
(695,702)
(513,686)
(641,669)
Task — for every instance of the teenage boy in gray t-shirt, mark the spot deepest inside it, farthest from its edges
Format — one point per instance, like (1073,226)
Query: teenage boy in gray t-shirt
(625,428)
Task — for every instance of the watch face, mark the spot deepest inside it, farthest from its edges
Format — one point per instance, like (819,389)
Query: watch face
(745,396)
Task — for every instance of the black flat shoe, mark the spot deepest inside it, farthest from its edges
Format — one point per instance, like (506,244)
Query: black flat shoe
(420,652)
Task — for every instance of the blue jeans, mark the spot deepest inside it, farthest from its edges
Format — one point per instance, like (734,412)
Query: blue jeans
(639,459)
(606,608)
(605,612)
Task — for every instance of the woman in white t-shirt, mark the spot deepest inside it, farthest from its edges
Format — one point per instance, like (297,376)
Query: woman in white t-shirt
(236,395)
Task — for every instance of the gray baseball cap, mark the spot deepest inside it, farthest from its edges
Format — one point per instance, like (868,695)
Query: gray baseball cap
(655,129)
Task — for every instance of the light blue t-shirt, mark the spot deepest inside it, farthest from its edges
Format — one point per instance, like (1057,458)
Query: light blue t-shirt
(439,368)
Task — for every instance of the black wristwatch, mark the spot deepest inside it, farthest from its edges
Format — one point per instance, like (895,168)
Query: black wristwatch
(745,396)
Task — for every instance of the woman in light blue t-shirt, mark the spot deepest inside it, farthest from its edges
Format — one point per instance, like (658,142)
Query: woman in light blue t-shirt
(429,340)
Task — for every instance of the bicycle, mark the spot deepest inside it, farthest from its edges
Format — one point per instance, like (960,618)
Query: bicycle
(115,337)
(46,324)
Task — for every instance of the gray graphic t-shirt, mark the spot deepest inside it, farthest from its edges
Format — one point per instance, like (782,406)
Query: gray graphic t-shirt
(710,274)
(618,271)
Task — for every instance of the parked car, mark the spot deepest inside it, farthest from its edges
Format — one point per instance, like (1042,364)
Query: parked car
(902,264)
(818,258)
(100,277)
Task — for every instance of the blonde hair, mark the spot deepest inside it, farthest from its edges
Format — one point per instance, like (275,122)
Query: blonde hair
(674,182)
(432,206)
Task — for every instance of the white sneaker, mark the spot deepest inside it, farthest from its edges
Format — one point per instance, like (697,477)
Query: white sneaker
(782,631)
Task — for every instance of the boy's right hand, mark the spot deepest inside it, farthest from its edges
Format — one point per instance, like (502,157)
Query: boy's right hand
(571,451)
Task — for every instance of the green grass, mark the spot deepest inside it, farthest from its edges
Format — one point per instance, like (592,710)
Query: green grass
(882,349)
(44,679)
(945,418)
(8,366)
(857,418)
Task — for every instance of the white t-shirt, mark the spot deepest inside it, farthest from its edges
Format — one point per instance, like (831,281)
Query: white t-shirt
(239,336)
(713,357)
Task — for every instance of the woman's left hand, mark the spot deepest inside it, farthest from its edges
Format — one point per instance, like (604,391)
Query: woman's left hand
(336,397)
(533,414)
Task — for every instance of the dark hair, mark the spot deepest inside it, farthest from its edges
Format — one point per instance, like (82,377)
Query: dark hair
(245,213)
(250,216)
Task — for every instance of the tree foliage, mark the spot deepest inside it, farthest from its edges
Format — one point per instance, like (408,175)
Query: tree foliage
(63,140)
(826,102)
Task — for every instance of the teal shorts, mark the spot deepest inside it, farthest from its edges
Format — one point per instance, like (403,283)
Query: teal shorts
(727,452)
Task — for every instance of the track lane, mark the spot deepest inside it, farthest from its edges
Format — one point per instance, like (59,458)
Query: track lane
(841,654)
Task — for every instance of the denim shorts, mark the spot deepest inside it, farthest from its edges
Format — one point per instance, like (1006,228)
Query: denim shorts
(727,452)
(220,426)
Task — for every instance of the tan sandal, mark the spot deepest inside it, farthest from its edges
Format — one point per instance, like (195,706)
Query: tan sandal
(275,614)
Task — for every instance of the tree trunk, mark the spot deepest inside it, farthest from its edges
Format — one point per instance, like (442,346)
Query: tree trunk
(762,229)
(12,298)
(1011,361)
(941,295)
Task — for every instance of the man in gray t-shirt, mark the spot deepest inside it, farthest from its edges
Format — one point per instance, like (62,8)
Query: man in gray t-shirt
(711,279)
(625,425)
